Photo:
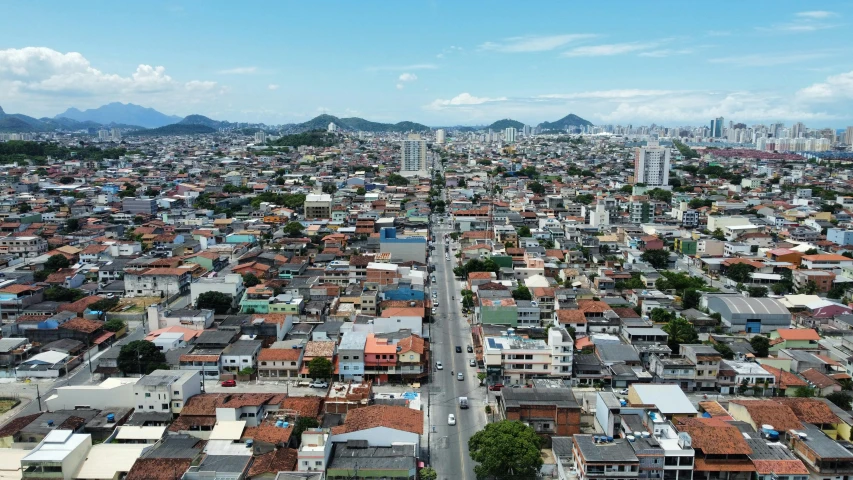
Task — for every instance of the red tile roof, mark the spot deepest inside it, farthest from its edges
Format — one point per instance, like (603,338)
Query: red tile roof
(715,437)
(281,460)
(389,416)
(158,468)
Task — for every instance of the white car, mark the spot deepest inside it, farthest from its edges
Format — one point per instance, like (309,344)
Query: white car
(439,366)
(624,391)
(435,303)
(451,419)
(319,384)
(434,294)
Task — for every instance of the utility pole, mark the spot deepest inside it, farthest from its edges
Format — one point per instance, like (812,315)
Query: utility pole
(38,396)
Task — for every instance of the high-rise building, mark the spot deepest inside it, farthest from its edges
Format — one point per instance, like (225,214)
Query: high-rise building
(798,130)
(848,136)
(509,135)
(526,131)
(103,135)
(717,127)
(439,136)
(115,135)
(260,137)
(413,154)
(651,165)
(332,127)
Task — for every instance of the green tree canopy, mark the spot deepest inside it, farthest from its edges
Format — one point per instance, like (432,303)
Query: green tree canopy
(523,231)
(397,180)
(678,281)
(320,367)
(841,399)
(360,191)
(536,188)
(757,292)
(680,331)
(114,325)
(760,345)
(219,302)
(141,357)
(522,293)
(476,265)
(506,450)
(293,229)
(740,272)
(61,294)
(691,298)
(725,350)
(55,262)
(250,280)
(301,424)
(658,258)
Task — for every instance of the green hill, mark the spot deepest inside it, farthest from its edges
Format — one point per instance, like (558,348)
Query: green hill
(174,129)
(202,120)
(313,138)
(506,123)
(570,120)
(322,122)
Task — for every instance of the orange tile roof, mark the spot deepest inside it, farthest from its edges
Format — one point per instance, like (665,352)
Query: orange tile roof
(593,306)
(403,312)
(826,257)
(304,406)
(780,467)
(389,416)
(268,433)
(768,412)
(798,333)
(810,410)
(570,316)
(715,437)
(279,354)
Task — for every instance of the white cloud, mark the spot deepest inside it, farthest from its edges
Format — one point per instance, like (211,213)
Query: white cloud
(608,50)
(666,52)
(391,68)
(463,99)
(41,78)
(608,94)
(534,43)
(239,71)
(835,88)
(399,86)
(816,14)
(272,86)
(408,77)
(769,60)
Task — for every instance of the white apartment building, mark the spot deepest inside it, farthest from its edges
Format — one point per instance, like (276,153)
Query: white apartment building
(166,391)
(231,284)
(511,359)
(562,351)
(509,134)
(651,165)
(413,155)
(23,247)
(439,136)
(260,137)
(314,451)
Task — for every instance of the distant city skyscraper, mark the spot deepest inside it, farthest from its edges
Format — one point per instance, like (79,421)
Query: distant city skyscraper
(848,136)
(332,127)
(651,164)
(526,131)
(717,127)
(509,135)
(260,137)
(439,136)
(413,153)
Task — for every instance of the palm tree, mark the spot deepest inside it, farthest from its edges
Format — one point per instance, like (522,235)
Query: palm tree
(680,331)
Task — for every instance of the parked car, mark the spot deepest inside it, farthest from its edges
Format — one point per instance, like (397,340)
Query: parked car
(460,376)
(451,419)
(496,387)
(624,391)
(458,349)
(319,384)
(229,383)
(472,363)
(470,349)
(439,366)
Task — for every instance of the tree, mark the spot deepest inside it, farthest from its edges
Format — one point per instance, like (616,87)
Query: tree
(55,262)
(779,288)
(760,345)
(396,180)
(360,191)
(140,357)
(724,350)
(522,293)
(219,302)
(718,234)
(250,280)
(743,387)
(691,298)
(804,392)
(481,376)
(837,291)
(104,305)
(661,315)
(810,288)
(320,367)
(523,231)
(680,331)
(657,258)
(428,473)
(740,272)
(114,325)
(504,450)
(301,424)
(841,399)
(757,292)
(293,229)
(61,294)
(24,208)
(536,188)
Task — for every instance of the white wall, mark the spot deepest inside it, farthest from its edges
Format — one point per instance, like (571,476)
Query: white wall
(98,397)
(380,437)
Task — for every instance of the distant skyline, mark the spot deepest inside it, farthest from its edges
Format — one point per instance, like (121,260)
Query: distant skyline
(435,62)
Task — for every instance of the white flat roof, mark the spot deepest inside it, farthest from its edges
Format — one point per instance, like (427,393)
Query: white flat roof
(57,445)
(10,463)
(669,399)
(228,430)
(107,459)
(127,432)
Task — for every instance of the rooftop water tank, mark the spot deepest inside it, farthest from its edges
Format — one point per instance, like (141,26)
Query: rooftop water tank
(111,418)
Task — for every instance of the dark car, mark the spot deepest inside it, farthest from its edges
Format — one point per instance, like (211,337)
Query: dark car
(496,387)
(229,383)
(458,349)
(470,349)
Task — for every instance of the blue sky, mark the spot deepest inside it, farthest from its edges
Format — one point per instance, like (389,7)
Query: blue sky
(436,62)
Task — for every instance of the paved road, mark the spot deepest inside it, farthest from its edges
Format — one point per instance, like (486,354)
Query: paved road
(449,443)
(79,376)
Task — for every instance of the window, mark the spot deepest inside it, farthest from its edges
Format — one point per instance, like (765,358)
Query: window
(318,462)
(150,407)
(346,357)
(147,395)
(176,392)
(346,367)
(263,363)
(164,406)
(177,404)
(140,407)
(355,357)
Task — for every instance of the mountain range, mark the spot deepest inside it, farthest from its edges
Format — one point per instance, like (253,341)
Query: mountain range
(152,122)
(123,113)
